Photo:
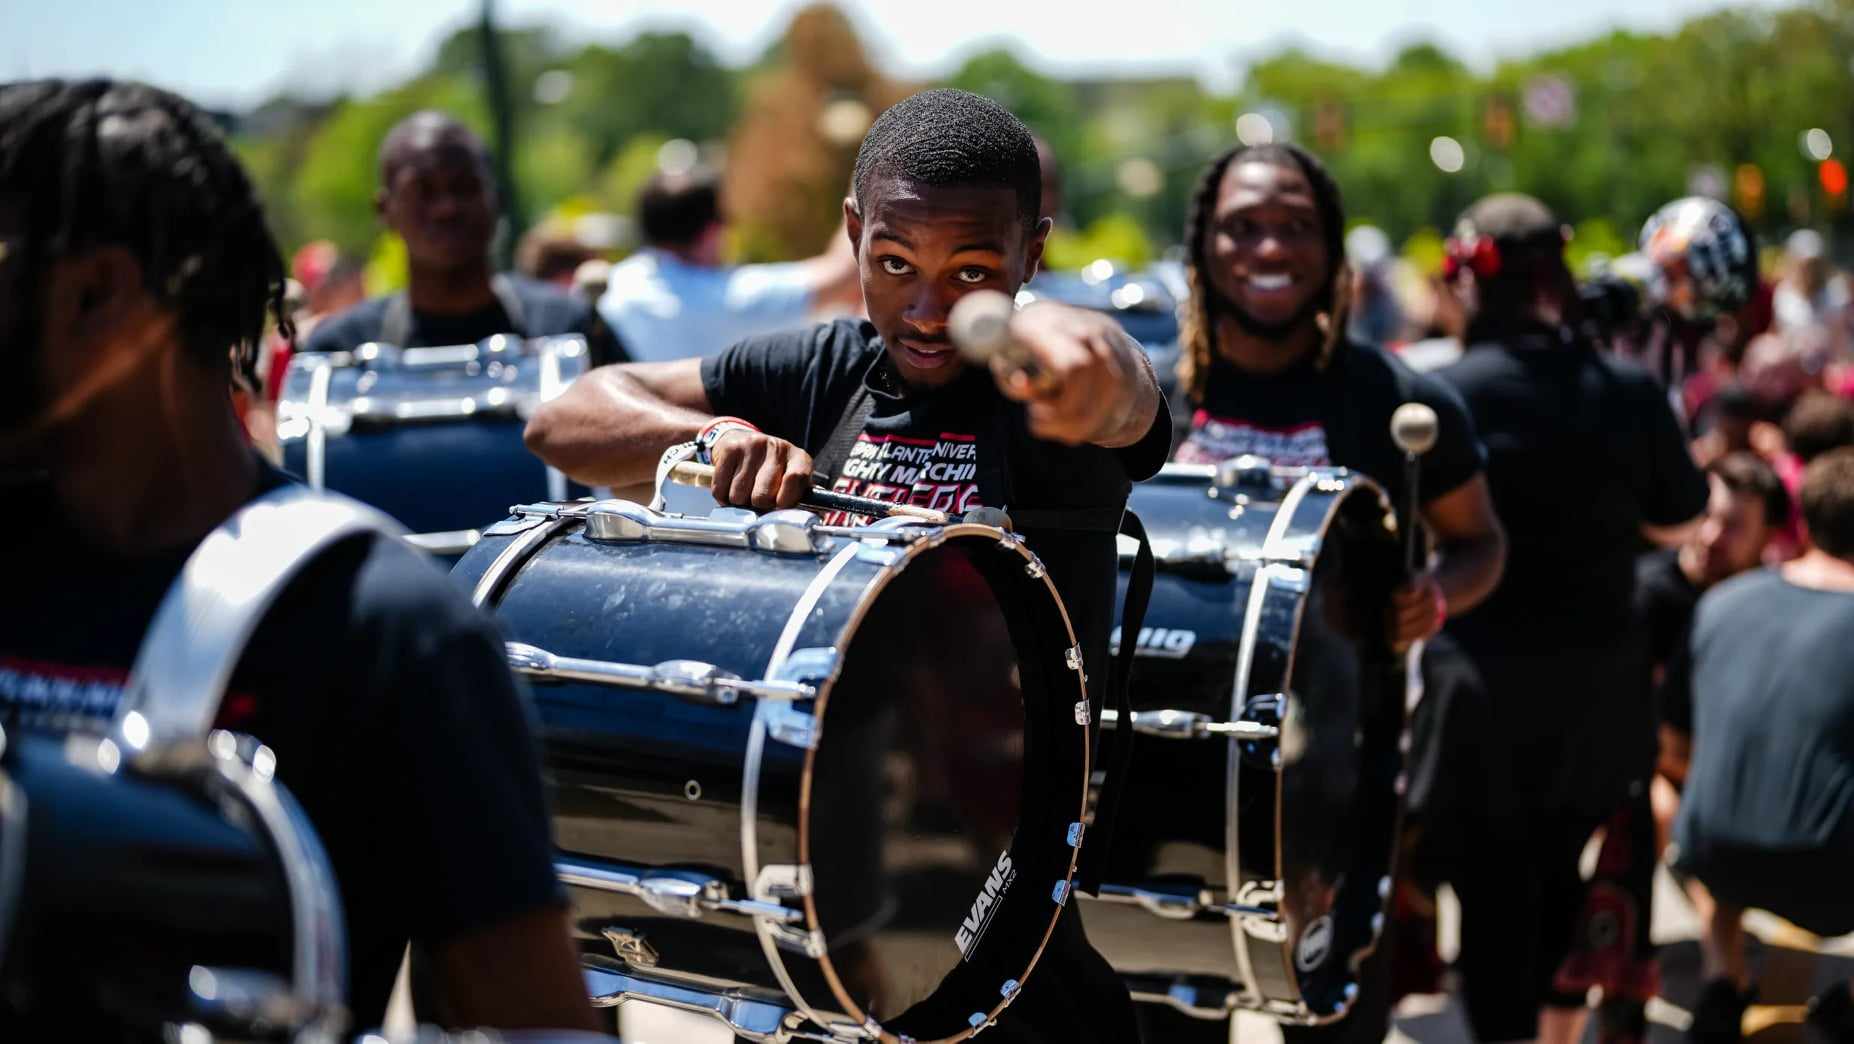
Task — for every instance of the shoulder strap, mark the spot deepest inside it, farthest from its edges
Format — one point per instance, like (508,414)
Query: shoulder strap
(510,299)
(830,457)
(396,324)
(223,591)
(1119,679)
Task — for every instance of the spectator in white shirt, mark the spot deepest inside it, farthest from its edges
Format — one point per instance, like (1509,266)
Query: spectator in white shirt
(674,298)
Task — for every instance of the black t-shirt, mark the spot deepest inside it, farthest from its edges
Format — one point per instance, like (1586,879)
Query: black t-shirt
(383,692)
(545,311)
(1773,719)
(953,448)
(1582,451)
(1664,602)
(1306,416)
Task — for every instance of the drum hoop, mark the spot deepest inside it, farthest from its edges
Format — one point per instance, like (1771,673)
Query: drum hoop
(315,451)
(550,385)
(1239,697)
(1275,554)
(198,634)
(13,813)
(756,739)
(750,777)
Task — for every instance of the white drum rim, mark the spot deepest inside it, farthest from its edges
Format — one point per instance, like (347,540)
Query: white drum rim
(859,1020)
(1356,483)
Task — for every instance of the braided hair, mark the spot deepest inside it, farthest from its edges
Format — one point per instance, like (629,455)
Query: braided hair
(112,163)
(1198,319)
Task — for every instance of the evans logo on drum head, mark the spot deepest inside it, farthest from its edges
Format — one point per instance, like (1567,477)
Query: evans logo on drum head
(972,929)
(1315,943)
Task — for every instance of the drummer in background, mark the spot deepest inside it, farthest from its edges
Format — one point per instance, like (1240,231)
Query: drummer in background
(1586,461)
(136,273)
(945,201)
(437,193)
(1267,370)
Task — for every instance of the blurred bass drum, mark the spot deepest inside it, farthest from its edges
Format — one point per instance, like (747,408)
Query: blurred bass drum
(803,774)
(431,436)
(1251,866)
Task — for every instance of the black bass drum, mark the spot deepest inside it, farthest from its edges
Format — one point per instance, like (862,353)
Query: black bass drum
(1251,867)
(807,778)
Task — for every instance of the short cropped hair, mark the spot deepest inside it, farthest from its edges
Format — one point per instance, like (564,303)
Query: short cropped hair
(1746,475)
(674,208)
(427,128)
(1828,502)
(1820,421)
(949,137)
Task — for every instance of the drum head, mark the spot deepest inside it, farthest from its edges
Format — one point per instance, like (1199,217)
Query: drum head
(938,804)
(1339,758)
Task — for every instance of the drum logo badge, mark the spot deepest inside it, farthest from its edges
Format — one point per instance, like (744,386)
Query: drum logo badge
(985,907)
(1315,943)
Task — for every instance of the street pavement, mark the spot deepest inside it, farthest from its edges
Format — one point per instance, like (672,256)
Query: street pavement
(1791,968)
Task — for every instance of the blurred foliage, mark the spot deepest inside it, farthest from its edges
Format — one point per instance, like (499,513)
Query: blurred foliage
(1603,130)
(790,155)
(1117,236)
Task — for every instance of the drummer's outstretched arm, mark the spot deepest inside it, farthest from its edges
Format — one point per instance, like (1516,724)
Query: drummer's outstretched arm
(610,426)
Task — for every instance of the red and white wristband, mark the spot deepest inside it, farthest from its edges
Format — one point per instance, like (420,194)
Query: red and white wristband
(712,432)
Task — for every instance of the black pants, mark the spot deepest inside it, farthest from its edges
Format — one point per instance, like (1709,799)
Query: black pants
(1559,739)
(1072,997)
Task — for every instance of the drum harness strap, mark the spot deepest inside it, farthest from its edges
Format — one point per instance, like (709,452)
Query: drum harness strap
(829,460)
(396,324)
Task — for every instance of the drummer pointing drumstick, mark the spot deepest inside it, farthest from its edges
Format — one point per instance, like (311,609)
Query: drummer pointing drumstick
(945,202)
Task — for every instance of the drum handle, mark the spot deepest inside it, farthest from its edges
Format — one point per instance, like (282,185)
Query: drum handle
(695,473)
(1181,724)
(691,680)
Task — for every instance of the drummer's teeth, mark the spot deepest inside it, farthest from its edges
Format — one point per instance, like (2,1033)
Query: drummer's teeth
(1271,281)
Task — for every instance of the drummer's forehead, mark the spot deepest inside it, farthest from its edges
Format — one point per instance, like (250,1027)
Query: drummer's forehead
(974,215)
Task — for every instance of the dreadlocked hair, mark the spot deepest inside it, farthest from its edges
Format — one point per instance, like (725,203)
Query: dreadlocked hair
(1198,318)
(110,163)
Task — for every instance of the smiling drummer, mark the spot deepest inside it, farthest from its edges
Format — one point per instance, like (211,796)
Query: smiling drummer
(945,201)
(1267,369)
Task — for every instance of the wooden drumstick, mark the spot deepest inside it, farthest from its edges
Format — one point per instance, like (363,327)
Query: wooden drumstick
(980,328)
(695,473)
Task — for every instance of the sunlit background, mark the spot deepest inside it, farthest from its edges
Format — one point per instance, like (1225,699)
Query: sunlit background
(1419,107)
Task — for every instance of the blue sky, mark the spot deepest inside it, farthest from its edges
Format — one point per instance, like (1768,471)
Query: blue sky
(233,52)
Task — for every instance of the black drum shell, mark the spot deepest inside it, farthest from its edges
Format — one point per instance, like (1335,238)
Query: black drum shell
(1174,834)
(128,884)
(431,476)
(649,780)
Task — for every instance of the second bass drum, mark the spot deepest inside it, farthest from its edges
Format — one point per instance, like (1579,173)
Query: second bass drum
(1251,866)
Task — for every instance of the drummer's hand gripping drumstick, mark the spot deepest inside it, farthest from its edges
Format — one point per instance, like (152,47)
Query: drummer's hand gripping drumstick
(1413,429)
(694,473)
(980,327)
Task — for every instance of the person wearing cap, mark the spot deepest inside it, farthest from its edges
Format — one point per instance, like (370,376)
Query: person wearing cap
(1585,461)
(1702,292)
